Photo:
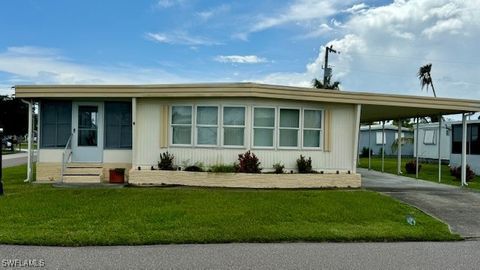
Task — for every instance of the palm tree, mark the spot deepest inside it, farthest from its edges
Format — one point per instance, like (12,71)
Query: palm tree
(426,78)
(319,85)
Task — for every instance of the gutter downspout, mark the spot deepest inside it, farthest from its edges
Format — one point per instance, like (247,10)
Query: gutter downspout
(30,135)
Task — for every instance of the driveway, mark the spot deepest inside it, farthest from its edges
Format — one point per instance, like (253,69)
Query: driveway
(407,255)
(14,159)
(458,207)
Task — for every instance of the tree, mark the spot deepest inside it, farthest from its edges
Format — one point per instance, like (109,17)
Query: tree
(13,116)
(405,123)
(319,85)
(426,78)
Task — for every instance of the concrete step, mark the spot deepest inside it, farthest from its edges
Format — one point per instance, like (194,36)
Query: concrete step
(81,170)
(79,178)
(84,165)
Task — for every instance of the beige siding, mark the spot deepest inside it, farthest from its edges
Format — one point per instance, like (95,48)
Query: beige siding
(149,123)
(117,156)
(244,180)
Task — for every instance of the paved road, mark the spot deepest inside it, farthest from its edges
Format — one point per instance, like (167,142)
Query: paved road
(409,255)
(14,160)
(458,207)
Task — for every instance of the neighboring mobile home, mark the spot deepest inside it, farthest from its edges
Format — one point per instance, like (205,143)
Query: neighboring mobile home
(428,141)
(473,145)
(97,127)
(371,137)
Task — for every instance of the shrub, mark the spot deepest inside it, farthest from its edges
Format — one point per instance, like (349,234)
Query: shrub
(222,168)
(166,162)
(364,152)
(457,172)
(248,163)
(411,166)
(304,165)
(193,168)
(278,168)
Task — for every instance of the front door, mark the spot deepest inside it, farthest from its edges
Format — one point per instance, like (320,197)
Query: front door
(87,140)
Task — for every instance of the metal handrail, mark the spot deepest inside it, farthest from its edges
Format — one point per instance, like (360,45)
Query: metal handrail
(63,156)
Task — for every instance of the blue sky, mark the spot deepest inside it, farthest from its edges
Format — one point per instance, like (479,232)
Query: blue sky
(382,43)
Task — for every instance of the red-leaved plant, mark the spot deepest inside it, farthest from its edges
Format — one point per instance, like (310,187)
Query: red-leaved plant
(248,163)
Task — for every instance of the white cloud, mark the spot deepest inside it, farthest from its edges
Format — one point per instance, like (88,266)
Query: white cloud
(306,12)
(181,38)
(210,13)
(357,8)
(27,65)
(240,59)
(383,47)
(169,3)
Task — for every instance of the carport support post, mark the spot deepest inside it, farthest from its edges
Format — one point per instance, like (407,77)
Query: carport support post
(416,150)
(1,149)
(464,150)
(439,141)
(383,146)
(369,147)
(399,147)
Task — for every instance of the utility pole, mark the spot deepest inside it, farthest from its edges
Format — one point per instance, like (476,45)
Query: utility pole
(327,72)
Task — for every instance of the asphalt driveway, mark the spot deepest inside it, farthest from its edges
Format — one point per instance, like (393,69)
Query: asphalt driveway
(458,207)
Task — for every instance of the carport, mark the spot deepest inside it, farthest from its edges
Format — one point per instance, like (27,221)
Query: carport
(399,107)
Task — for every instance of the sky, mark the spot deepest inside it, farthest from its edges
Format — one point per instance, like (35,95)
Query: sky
(381,43)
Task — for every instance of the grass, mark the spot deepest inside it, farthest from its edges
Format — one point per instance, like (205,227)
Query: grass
(25,145)
(38,214)
(429,171)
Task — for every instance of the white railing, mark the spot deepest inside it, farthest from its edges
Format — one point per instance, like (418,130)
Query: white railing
(64,154)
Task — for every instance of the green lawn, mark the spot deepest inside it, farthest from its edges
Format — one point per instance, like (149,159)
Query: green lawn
(39,214)
(429,171)
(25,145)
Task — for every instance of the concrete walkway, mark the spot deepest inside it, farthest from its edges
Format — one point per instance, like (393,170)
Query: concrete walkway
(458,207)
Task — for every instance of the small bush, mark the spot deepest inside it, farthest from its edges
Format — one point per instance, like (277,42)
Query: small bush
(304,165)
(364,152)
(222,168)
(193,168)
(278,168)
(166,162)
(411,167)
(248,163)
(457,173)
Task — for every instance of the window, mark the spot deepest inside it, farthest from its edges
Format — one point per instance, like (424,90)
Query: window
(429,137)
(473,139)
(312,128)
(181,125)
(263,127)
(207,125)
(118,123)
(56,123)
(379,137)
(233,126)
(289,127)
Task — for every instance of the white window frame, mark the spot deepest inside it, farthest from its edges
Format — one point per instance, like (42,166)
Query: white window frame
(234,126)
(377,138)
(299,133)
(275,124)
(192,125)
(207,126)
(434,139)
(321,129)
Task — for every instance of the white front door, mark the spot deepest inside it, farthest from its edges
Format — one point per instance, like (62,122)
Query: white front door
(87,140)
